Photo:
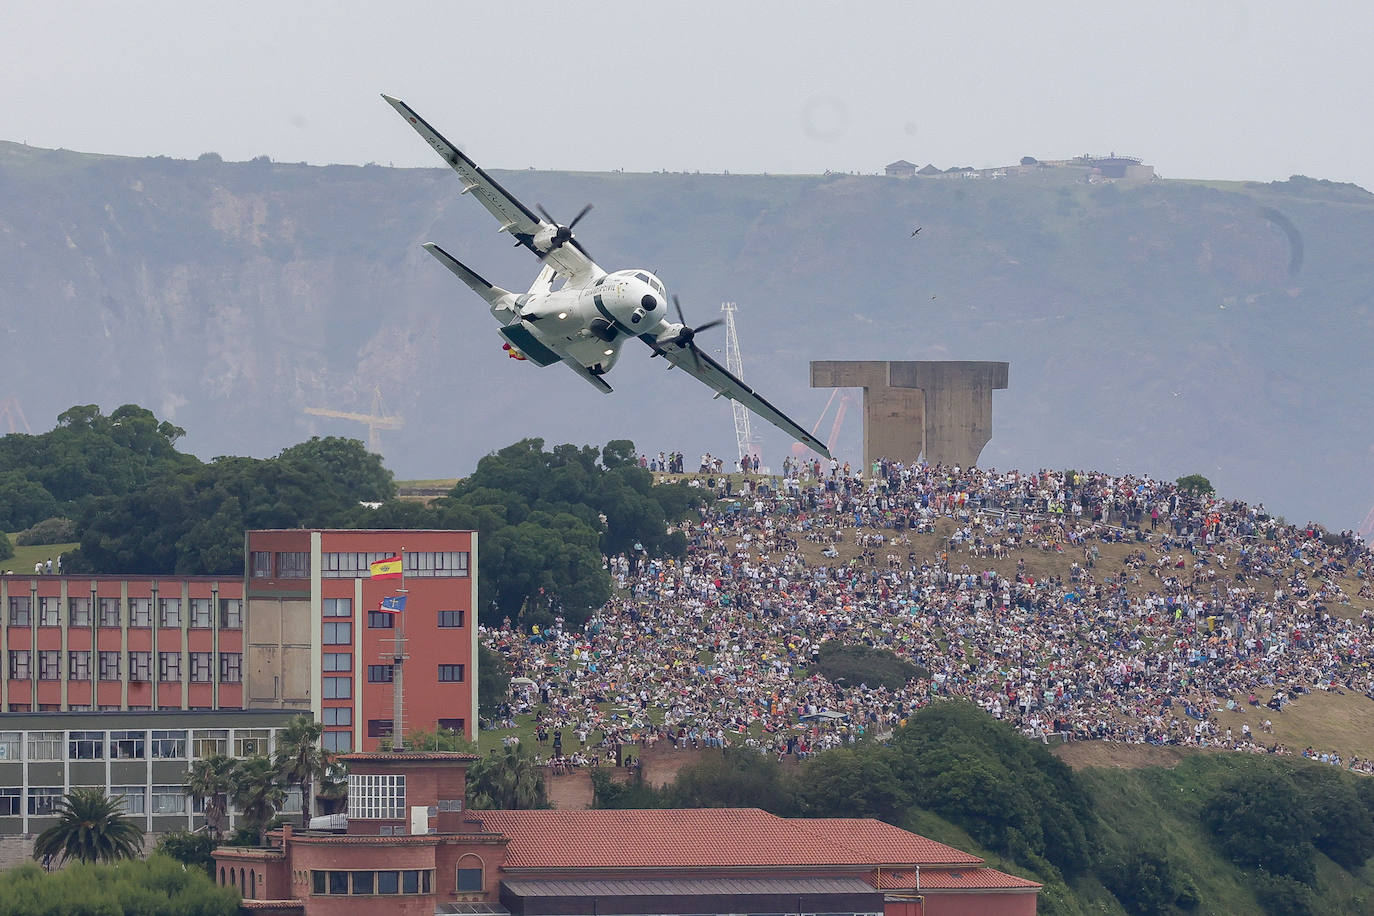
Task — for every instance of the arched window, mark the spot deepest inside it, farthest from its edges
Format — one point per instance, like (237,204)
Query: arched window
(469,877)
(221,875)
(243,881)
(233,878)
(252,884)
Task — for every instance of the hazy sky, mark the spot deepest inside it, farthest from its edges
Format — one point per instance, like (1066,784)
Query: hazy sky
(1199,89)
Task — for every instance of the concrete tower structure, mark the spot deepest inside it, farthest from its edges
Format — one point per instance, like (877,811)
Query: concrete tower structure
(939,409)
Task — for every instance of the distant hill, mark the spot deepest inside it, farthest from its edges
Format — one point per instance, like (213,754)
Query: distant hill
(1171,327)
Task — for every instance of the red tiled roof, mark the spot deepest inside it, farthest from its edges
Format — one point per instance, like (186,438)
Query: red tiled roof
(704,838)
(407,756)
(885,843)
(944,879)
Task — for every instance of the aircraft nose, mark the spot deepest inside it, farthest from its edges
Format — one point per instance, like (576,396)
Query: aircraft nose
(648,303)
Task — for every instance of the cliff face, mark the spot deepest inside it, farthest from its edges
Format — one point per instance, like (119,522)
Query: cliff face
(1167,328)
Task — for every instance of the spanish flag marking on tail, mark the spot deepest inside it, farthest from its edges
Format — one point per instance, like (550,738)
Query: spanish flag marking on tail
(385,568)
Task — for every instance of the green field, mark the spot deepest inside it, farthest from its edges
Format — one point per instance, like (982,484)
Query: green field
(25,557)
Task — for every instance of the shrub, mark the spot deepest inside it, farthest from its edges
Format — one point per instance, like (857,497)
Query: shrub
(856,665)
(1146,882)
(6,548)
(48,531)
(1259,822)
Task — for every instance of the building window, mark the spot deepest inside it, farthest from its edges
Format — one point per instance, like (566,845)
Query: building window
(293,566)
(379,728)
(376,797)
(19,664)
(50,665)
(201,664)
(451,619)
(79,665)
(429,564)
(44,745)
(140,666)
(43,800)
(337,634)
(363,882)
(207,742)
(338,661)
(128,745)
(230,667)
(231,613)
(85,745)
(338,688)
(140,612)
(338,715)
(349,565)
(338,742)
(454,725)
(338,607)
(469,874)
(169,666)
(11,800)
(19,610)
(79,612)
(109,666)
(169,744)
(50,612)
(381,674)
(338,882)
(109,612)
(450,674)
(169,613)
(134,800)
(202,614)
(10,744)
(260,564)
(380,620)
(169,800)
(250,742)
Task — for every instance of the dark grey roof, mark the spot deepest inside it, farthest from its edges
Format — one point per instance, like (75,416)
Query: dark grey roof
(470,909)
(662,887)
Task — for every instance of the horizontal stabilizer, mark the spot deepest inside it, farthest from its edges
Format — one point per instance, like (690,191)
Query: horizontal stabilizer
(493,294)
(597,381)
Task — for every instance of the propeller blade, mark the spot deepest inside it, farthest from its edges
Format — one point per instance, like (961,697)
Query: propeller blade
(581,213)
(545,213)
(696,360)
(710,324)
(678,305)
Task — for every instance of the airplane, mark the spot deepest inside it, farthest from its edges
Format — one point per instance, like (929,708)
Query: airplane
(584,322)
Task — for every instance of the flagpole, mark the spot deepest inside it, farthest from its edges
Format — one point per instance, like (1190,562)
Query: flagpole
(398,668)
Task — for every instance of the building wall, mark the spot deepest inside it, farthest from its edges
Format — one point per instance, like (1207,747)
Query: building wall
(129,599)
(1021,903)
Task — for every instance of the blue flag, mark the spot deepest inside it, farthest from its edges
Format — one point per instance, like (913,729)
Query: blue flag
(394,605)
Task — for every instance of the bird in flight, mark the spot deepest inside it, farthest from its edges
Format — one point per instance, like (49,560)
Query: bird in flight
(914,231)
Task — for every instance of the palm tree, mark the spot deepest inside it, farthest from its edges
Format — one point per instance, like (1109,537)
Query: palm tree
(210,781)
(509,779)
(301,761)
(258,791)
(91,828)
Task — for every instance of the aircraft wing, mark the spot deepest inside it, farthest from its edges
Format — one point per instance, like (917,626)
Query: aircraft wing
(570,259)
(719,378)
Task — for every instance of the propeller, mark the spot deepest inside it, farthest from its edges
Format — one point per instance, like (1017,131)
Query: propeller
(687,335)
(562,234)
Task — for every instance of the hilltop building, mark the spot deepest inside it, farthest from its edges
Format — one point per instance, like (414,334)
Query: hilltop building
(409,847)
(900,169)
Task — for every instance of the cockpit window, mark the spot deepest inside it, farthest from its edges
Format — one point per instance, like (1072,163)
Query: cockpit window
(642,276)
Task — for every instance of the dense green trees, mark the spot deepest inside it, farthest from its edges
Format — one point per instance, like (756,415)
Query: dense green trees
(91,827)
(6,548)
(300,759)
(507,778)
(851,665)
(493,681)
(159,885)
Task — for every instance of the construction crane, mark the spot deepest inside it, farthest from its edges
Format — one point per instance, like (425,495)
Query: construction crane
(13,414)
(734,363)
(833,439)
(376,421)
(1367,527)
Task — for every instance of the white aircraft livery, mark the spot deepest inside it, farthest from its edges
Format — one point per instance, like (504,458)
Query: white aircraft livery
(584,322)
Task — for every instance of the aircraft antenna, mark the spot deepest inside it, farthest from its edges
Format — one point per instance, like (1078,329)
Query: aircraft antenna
(376,421)
(734,363)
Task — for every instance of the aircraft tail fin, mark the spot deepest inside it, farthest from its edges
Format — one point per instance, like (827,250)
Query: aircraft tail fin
(544,282)
(497,297)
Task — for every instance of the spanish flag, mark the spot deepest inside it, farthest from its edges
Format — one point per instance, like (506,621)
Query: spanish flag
(385,568)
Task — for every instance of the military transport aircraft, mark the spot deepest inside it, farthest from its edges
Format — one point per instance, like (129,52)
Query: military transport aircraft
(583,322)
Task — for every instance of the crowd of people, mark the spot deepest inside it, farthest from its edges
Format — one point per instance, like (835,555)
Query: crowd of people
(1076,606)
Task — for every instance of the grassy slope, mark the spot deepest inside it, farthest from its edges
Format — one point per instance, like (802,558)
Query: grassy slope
(25,557)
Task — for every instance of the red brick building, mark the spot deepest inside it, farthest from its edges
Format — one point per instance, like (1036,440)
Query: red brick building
(300,629)
(409,848)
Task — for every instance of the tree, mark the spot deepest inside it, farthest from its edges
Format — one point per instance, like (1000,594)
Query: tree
(493,681)
(6,548)
(210,781)
(90,828)
(258,791)
(852,782)
(158,884)
(507,778)
(190,849)
(348,463)
(1195,484)
(1259,823)
(300,760)
(738,777)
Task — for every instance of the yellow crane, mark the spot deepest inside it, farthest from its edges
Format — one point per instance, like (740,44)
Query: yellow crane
(11,412)
(376,421)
